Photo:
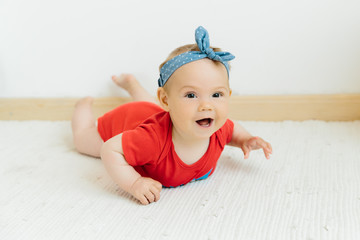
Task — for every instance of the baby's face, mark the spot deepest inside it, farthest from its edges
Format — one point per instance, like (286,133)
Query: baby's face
(198,95)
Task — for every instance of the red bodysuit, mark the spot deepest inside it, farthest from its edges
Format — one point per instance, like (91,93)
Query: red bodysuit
(148,147)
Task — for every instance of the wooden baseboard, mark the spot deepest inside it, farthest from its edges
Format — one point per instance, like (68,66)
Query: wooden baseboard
(343,107)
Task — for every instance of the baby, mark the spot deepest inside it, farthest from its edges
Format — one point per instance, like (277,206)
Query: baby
(145,146)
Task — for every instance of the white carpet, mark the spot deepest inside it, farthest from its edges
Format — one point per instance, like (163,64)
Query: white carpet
(310,189)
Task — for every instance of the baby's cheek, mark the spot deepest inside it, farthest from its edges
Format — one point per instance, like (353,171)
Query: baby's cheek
(223,112)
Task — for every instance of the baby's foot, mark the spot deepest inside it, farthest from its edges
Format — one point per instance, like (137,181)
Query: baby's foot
(125,81)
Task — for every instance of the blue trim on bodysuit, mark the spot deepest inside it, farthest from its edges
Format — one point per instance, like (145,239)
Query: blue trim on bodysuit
(195,179)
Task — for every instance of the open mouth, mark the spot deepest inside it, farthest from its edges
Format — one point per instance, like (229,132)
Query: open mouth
(205,122)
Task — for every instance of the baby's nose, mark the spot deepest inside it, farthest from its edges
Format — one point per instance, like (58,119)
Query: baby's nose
(205,106)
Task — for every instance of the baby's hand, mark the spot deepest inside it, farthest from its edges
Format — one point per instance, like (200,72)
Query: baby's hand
(255,143)
(146,190)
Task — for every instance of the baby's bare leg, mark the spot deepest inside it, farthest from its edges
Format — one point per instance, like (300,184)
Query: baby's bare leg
(133,87)
(87,140)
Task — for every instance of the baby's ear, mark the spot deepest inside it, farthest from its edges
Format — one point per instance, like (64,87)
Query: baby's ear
(163,98)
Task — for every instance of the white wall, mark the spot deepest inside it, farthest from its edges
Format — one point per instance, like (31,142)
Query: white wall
(70,48)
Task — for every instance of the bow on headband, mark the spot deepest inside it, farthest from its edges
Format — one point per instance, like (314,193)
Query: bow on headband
(202,40)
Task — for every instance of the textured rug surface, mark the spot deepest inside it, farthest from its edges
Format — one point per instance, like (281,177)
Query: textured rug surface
(310,189)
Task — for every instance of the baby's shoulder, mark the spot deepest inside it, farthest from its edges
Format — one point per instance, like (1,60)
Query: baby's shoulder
(224,134)
(156,128)
(159,121)
(150,139)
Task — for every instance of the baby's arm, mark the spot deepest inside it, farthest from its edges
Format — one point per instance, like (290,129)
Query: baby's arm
(243,139)
(146,190)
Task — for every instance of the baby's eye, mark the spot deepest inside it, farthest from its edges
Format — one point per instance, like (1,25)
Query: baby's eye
(190,95)
(217,95)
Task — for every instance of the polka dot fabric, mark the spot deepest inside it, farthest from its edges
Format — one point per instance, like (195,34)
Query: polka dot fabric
(202,40)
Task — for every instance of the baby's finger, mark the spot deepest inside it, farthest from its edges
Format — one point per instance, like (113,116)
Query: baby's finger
(267,153)
(158,185)
(269,147)
(143,199)
(246,151)
(262,144)
(156,193)
(150,196)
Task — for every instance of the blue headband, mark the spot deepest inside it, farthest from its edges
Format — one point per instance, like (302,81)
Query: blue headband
(202,40)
